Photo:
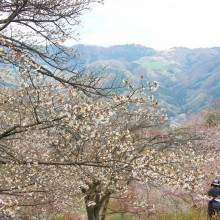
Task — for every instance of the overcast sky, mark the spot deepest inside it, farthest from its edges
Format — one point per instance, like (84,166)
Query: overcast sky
(160,24)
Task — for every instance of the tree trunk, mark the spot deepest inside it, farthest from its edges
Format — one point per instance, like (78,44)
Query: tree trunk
(92,213)
(94,202)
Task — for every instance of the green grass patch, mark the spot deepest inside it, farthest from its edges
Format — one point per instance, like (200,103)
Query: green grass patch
(119,217)
(62,217)
(153,64)
(194,214)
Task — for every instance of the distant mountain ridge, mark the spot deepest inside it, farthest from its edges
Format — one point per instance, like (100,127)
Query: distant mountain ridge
(126,53)
(189,78)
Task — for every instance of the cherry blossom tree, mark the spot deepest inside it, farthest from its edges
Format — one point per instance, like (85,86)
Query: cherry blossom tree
(56,142)
(62,133)
(205,125)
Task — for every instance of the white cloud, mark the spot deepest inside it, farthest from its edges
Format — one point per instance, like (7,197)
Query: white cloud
(155,23)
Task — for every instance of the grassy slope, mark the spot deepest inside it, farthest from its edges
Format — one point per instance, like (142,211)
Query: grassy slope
(194,214)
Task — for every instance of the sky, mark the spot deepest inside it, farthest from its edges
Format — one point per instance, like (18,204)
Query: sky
(159,24)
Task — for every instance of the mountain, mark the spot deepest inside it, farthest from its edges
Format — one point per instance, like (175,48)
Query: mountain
(189,78)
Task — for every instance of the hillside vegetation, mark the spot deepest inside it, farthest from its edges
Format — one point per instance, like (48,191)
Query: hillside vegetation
(189,78)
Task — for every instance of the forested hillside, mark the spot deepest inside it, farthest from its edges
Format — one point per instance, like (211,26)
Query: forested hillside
(189,78)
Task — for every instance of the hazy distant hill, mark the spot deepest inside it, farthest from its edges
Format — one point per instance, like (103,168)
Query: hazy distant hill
(189,78)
